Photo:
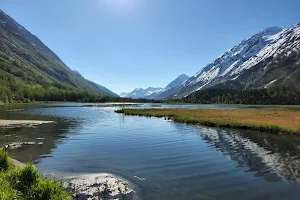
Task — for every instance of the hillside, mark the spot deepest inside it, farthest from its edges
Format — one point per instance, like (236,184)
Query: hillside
(29,70)
(269,59)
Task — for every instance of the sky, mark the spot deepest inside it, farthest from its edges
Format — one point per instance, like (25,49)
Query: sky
(126,44)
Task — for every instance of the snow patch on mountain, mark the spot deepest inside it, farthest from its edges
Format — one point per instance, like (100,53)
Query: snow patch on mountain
(278,44)
(270,83)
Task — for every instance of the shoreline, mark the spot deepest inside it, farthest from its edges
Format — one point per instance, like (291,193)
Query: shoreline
(81,186)
(271,121)
(132,102)
(22,123)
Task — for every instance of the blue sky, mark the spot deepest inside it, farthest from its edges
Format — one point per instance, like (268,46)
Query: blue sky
(124,44)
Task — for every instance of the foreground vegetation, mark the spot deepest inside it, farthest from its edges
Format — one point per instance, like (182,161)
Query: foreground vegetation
(26,183)
(273,121)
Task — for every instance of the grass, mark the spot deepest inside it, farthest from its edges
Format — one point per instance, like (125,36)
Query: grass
(273,121)
(4,162)
(26,183)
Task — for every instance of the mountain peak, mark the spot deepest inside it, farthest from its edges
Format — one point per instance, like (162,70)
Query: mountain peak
(123,94)
(178,81)
(296,25)
(266,33)
(183,76)
(273,29)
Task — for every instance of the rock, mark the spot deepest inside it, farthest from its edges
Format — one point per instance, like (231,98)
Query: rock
(17,145)
(98,185)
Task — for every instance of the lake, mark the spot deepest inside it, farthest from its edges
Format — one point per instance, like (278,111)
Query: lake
(161,159)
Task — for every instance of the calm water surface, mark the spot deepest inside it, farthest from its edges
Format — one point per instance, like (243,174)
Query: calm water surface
(161,159)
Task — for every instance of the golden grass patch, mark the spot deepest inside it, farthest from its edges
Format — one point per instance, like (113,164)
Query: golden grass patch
(275,121)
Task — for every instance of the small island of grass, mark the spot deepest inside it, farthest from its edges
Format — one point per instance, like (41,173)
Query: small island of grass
(272,121)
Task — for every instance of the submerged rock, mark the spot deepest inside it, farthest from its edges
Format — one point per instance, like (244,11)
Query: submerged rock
(98,186)
(17,145)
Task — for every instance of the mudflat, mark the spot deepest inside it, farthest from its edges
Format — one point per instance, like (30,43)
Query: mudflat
(20,123)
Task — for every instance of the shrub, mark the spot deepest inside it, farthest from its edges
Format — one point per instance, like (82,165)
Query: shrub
(48,189)
(26,183)
(4,163)
(26,177)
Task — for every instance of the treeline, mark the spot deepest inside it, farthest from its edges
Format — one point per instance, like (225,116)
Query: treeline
(280,96)
(15,90)
(28,93)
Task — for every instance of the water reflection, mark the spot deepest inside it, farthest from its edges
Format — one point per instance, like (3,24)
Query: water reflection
(273,157)
(30,144)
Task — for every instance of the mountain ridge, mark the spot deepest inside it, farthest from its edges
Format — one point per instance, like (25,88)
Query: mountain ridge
(153,92)
(230,65)
(27,62)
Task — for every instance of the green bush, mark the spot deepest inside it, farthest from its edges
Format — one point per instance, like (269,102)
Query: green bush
(4,163)
(26,177)
(48,189)
(26,183)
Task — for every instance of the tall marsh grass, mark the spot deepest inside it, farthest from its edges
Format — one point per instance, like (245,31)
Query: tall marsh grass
(272,121)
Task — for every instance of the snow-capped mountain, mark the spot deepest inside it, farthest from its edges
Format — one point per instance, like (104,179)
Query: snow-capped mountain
(262,46)
(155,93)
(123,94)
(140,93)
(178,81)
(276,66)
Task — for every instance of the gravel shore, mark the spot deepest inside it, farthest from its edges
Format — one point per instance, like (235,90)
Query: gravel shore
(20,123)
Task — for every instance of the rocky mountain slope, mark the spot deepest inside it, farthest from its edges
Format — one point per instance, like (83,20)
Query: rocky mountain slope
(257,62)
(178,81)
(31,64)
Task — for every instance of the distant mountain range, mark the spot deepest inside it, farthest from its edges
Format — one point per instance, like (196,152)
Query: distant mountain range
(25,62)
(155,93)
(268,59)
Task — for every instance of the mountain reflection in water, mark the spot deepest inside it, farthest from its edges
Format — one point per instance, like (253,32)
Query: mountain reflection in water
(261,153)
